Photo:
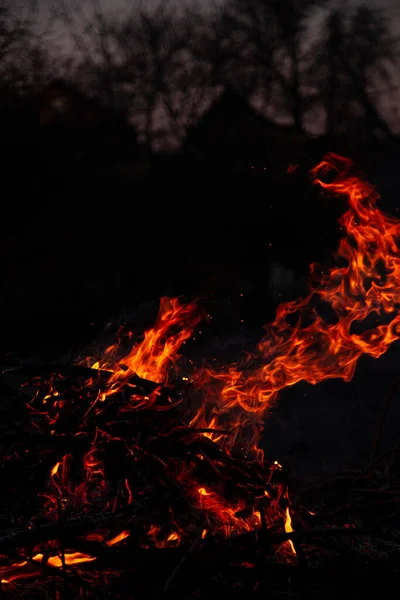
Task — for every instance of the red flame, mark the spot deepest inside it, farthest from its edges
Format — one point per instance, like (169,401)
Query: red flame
(314,351)
(153,357)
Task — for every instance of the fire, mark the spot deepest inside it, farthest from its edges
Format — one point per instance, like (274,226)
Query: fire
(24,569)
(118,538)
(158,351)
(163,541)
(70,559)
(289,528)
(225,517)
(54,470)
(300,345)
(175,324)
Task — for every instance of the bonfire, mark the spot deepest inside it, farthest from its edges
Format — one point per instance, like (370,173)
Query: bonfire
(123,478)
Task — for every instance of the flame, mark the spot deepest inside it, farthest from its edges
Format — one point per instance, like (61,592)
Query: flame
(24,569)
(289,528)
(225,517)
(54,470)
(70,559)
(300,345)
(118,538)
(175,324)
(152,358)
(161,541)
(225,514)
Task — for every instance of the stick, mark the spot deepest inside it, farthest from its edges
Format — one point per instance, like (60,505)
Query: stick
(62,548)
(77,370)
(38,370)
(69,529)
(301,536)
(382,455)
(181,563)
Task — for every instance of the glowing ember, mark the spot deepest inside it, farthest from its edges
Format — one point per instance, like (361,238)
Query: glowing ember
(54,470)
(25,569)
(118,538)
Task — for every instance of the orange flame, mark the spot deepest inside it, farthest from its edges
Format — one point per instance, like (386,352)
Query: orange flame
(289,528)
(118,538)
(312,349)
(24,569)
(175,324)
(54,470)
(171,540)
(158,351)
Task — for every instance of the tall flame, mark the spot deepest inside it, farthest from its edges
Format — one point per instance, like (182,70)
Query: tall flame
(158,351)
(300,345)
(175,324)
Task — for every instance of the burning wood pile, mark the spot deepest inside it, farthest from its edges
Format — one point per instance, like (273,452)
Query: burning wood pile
(123,479)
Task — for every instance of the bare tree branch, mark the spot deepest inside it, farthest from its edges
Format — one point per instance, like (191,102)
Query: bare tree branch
(354,51)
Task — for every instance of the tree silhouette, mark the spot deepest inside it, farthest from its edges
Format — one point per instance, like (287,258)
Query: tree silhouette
(352,53)
(163,66)
(290,57)
(142,62)
(250,36)
(24,60)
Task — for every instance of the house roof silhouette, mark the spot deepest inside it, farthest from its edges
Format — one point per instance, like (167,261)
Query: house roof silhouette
(231,128)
